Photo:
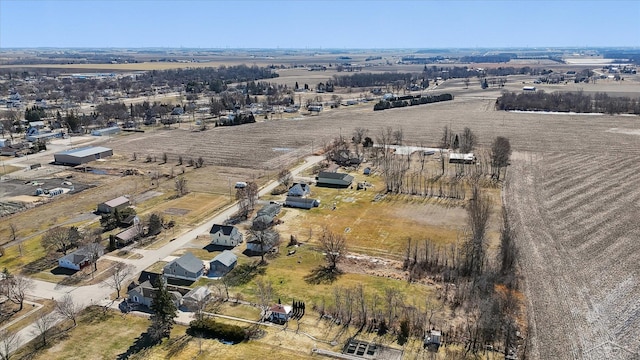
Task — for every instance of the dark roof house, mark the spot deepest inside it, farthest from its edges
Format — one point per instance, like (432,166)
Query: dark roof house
(143,295)
(225,235)
(334,179)
(301,203)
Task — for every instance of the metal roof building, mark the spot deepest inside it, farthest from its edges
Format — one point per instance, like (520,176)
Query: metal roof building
(82,155)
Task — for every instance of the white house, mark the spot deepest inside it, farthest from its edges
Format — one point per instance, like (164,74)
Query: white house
(225,235)
(82,257)
(280,313)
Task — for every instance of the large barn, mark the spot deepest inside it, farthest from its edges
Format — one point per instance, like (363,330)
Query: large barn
(82,155)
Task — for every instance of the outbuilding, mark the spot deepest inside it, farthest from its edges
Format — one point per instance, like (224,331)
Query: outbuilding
(301,203)
(106,131)
(82,155)
(112,205)
(222,264)
(334,179)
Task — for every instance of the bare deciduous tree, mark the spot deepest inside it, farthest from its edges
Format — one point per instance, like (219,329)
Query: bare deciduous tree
(15,289)
(285,177)
(247,196)
(508,250)
(264,291)
(478,212)
(500,153)
(67,308)
(181,186)
(118,276)
(9,342)
(43,324)
(358,138)
(58,238)
(398,136)
(468,140)
(335,248)
(266,238)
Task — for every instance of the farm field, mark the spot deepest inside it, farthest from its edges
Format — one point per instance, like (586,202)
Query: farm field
(577,219)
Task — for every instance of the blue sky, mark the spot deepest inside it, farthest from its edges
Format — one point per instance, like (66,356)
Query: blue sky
(318,24)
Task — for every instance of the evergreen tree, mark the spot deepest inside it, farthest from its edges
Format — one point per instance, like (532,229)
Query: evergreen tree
(164,312)
(155,224)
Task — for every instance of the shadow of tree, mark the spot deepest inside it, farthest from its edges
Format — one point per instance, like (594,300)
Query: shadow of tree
(144,341)
(322,275)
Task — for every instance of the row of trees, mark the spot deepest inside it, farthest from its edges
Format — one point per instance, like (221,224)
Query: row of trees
(482,286)
(413,100)
(568,101)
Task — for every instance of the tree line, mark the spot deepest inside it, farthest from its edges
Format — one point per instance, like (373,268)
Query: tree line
(410,100)
(568,101)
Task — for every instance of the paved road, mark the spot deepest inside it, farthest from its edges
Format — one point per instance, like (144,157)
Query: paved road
(93,294)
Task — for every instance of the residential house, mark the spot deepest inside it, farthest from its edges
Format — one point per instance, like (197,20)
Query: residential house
(110,206)
(264,217)
(82,257)
(270,209)
(225,235)
(299,189)
(222,264)
(129,235)
(186,267)
(301,203)
(257,247)
(280,313)
(143,295)
(196,298)
(334,179)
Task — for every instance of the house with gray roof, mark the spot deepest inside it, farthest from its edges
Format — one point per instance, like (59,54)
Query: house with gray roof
(225,235)
(196,298)
(82,257)
(299,189)
(82,155)
(144,293)
(270,209)
(186,267)
(301,203)
(333,179)
(112,205)
(222,264)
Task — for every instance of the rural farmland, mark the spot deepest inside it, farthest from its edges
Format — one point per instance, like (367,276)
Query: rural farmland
(383,244)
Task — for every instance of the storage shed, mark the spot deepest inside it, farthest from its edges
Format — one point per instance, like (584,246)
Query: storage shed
(106,131)
(301,203)
(82,155)
(110,206)
(334,179)
(222,264)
